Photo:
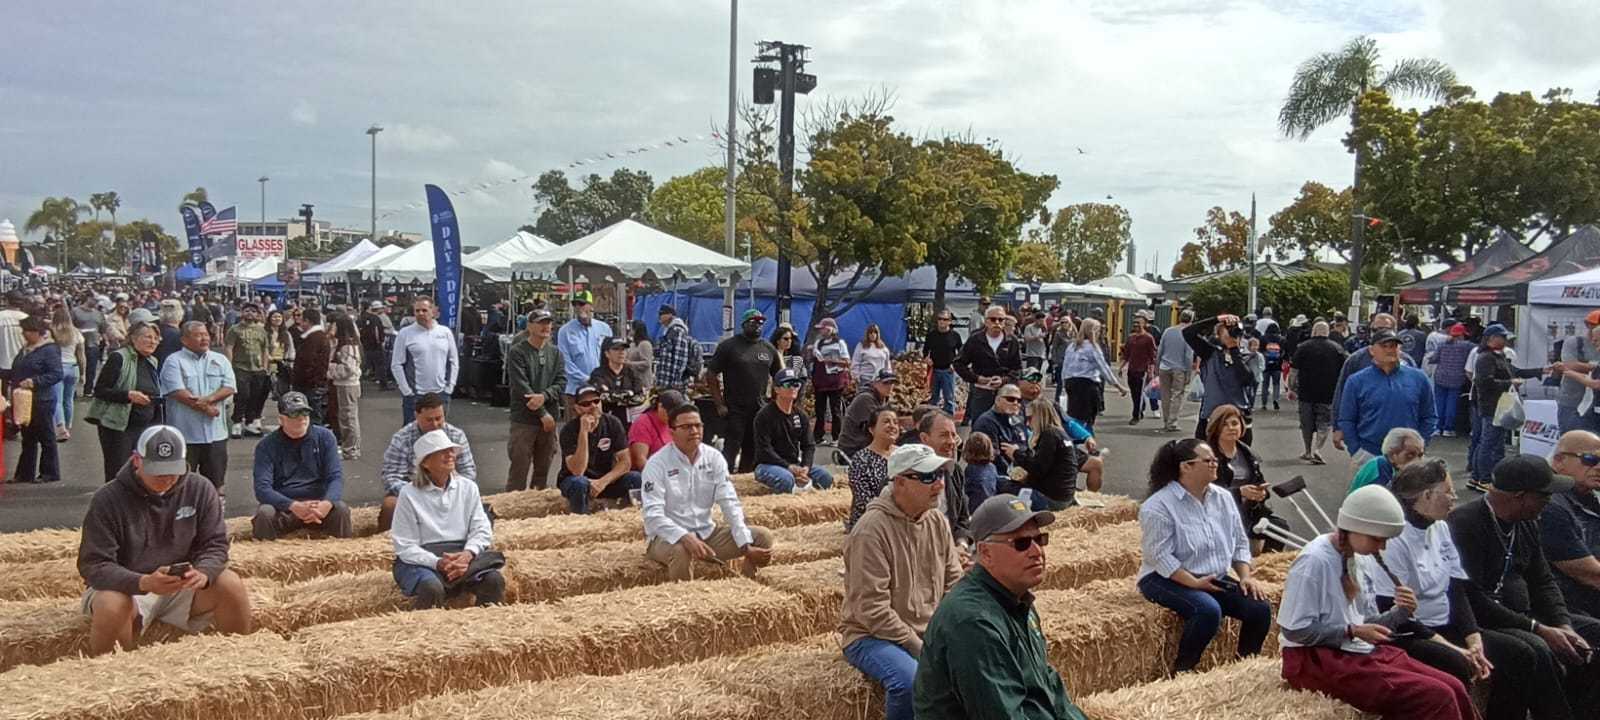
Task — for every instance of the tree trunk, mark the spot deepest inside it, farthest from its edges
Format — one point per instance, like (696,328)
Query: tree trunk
(941,275)
(1357,224)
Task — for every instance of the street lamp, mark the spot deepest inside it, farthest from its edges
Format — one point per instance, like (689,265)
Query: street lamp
(263,180)
(373,131)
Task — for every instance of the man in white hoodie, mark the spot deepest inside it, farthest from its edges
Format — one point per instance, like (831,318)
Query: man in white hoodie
(899,561)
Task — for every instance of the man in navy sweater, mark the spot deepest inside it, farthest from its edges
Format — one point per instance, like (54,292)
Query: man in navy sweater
(1383,397)
(298,478)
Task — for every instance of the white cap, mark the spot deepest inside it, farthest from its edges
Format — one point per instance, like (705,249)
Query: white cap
(430,443)
(914,457)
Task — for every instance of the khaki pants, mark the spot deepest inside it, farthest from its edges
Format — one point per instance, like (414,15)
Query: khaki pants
(529,446)
(1173,385)
(681,567)
(348,398)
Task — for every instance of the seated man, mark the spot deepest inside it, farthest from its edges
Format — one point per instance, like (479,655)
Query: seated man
(299,480)
(1569,528)
(859,413)
(649,432)
(594,455)
(398,464)
(441,532)
(1401,447)
(695,476)
(898,564)
(155,548)
(784,448)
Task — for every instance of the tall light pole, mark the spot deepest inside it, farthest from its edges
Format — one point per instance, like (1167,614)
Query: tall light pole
(263,180)
(373,131)
(729,208)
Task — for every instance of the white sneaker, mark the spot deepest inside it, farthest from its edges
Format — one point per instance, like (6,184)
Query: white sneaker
(255,426)
(238,432)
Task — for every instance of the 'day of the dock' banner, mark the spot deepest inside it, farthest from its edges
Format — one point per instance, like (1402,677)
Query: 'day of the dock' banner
(446,255)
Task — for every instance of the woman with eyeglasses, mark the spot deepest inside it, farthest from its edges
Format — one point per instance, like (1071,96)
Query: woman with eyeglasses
(1239,471)
(1334,640)
(1445,634)
(869,468)
(1083,366)
(1191,537)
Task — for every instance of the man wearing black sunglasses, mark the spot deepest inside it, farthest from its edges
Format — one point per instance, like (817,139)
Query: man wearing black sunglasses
(989,358)
(1569,528)
(984,652)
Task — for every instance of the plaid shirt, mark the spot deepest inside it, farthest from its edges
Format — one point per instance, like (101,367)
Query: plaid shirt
(399,466)
(677,358)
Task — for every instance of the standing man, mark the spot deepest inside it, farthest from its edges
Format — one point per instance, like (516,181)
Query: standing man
(88,318)
(579,342)
(737,377)
(536,376)
(595,462)
(1493,375)
(426,360)
(195,381)
(1313,375)
(11,341)
(1414,341)
(677,353)
(1138,361)
(1569,527)
(1358,361)
(1381,398)
(942,345)
(695,477)
(976,323)
(1576,354)
(784,448)
(984,655)
(376,329)
(898,564)
(988,360)
(245,345)
(309,375)
(1175,359)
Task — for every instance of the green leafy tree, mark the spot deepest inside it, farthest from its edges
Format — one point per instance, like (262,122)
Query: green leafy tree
(1191,261)
(1311,294)
(1090,239)
(1329,86)
(570,213)
(693,207)
(130,236)
(1317,220)
(58,218)
(194,197)
(1037,262)
(1224,237)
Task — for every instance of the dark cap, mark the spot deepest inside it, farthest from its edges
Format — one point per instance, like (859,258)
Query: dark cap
(1031,374)
(1529,473)
(581,297)
(160,449)
(789,376)
(667,310)
(1004,513)
(885,375)
(1383,336)
(1496,329)
(540,315)
(586,390)
(614,343)
(294,404)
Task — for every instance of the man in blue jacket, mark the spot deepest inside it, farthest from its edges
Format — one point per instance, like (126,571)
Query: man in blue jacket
(299,481)
(1383,397)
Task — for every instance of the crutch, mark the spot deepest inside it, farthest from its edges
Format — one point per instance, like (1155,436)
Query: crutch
(1265,527)
(1295,486)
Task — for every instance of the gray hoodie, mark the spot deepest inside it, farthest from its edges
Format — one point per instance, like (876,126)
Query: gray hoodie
(130,531)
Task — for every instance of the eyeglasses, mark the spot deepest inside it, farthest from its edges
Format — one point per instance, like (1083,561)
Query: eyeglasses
(1588,459)
(994,320)
(588,403)
(1021,544)
(1208,461)
(1010,398)
(926,478)
(789,386)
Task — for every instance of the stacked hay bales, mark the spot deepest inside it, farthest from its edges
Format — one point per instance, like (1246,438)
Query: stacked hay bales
(35,545)
(1096,509)
(1251,688)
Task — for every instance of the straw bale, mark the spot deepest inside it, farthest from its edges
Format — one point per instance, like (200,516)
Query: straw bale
(35,545)
(809,680)
(1078,556)
(747,486)
(1097,509)
(330,598)
(808,508)
(1273,567)
(647,695)
(523,504)
(1251,689)
(46,578)
(207,676)
(818,585)
(291,560)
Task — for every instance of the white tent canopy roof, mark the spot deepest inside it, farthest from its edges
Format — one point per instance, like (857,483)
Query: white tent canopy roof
(253,270)
(412,263)
(1579,288)
(1075,289)
(630,250)
(496,260)
(376,260)
(344,260)
(1129,281)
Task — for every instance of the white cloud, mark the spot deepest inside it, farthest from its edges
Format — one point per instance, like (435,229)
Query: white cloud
(303,113)
(416,138)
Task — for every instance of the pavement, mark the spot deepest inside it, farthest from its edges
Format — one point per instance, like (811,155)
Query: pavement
(1277,434)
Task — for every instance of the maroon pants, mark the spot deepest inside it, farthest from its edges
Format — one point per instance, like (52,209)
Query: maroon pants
(1387,682)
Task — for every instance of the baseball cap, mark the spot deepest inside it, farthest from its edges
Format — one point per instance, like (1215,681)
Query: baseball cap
(789,376)
(431,442)
(667,310)
(1593,318)
(1529,473)
(1458,330)
(294,404)
(586,390)
(1496,329)
(614,343)
(885,375)
(540,315)
(828,323)
(914,457)
(1004,513)
(140,315)
(1031,374)
(160,449)
(1383,336)
(582,297)
(747,315)
(375,305)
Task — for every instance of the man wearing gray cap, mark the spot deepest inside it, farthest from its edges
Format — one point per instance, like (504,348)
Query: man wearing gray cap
(537,378)
(299,480)
(984,652)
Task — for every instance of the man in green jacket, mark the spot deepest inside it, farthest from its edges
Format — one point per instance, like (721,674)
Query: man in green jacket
(537,379)
(983,656)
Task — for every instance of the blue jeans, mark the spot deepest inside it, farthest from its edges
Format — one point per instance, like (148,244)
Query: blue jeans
(1567,419)
(408,406)
(781,480)
(1445,405)
(944,391)
(892,667)
(64,394)
(1491,448)
(575,488)
(1202,614)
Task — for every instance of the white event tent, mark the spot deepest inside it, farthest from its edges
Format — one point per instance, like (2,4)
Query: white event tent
(372,262)
(412,263)
(629,250)
(1131,282)
(345,260)
(496,260)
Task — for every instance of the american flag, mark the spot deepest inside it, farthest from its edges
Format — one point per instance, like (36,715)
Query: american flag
(222,223)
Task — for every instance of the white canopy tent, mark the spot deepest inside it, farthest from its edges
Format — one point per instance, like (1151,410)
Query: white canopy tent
(1063,289)
(1579,288)
(1132,283)
(376,260)
(629,250)
(496,260)
(253,270)
(412,263)
(343,261)
(1556,309)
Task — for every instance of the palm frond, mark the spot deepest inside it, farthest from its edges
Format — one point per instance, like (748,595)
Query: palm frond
(1424,77)
(1315,97)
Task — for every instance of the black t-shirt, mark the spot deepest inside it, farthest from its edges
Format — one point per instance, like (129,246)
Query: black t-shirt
(608,439)
(942,348)
(746,366)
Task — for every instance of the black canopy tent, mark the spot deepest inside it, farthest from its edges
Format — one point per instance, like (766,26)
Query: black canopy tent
(1505,252)
(1575,252)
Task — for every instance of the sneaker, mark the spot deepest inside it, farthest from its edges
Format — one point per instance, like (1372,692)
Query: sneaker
(1316,459)
(1275,405)
(1448,433)
(1133,421)
(254,428)
(238,432)
(1478,486)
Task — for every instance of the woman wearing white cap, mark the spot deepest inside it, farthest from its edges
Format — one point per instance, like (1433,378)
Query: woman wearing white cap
(1333,639)
(441,531)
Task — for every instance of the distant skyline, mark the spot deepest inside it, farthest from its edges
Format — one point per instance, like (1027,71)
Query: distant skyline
(1173,102)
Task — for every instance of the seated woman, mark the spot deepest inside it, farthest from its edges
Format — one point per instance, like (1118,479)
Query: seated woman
(1333,639)
(1192,536)
(441,532)
(869,468)
(1239,471)
(1527,676)
(1401,446)
(1052,467)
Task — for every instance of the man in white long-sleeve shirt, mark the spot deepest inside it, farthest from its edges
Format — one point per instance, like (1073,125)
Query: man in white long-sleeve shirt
(440,528)
(681,483)
(425,360)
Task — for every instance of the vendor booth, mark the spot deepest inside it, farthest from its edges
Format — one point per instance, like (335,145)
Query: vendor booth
(496,260)
(1505,252)
(1556,309)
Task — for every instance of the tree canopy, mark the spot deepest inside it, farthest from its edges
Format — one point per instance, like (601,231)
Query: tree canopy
(1090,239)
(1311,294)
(570,213)
(974,204)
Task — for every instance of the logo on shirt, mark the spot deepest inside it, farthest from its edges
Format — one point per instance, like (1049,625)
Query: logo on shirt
(186,512)
(763,357)
(604,444)
(651,485)
(672,473)
(795,421)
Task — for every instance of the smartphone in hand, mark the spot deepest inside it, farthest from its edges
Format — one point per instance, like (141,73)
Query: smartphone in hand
(178,569)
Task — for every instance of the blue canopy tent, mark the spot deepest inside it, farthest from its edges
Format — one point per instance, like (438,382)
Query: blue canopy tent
(700,303)
(187,274)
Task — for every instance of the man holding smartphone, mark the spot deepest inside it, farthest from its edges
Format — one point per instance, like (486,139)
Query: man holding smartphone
(154,548)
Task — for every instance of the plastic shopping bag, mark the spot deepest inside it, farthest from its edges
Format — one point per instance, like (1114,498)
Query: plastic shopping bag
(1508,412)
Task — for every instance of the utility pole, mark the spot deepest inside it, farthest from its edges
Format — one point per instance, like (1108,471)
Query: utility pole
(263,180)
(788,79)
(373,131)
(730,208)
(1250,250)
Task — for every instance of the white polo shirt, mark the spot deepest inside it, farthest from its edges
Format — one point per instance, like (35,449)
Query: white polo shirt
(678,493)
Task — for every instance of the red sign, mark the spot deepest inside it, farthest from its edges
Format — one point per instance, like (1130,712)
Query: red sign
(260,247)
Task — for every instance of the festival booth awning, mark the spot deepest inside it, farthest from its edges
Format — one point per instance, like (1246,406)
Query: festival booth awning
(1505,252)
(1579,288)
(414,263)
(496,260)
(372,262)
(1576,252)
(1073,290)
(187,274)
(629,250)
(1131,283)
(343,261)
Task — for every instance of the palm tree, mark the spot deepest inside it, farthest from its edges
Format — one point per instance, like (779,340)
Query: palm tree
(194,197)
(111,202)
(57,217)
(1329,85)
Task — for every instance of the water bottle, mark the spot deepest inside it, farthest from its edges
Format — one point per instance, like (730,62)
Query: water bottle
(1026,496)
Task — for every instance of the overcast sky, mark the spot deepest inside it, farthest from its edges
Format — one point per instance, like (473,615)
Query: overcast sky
(1174,102)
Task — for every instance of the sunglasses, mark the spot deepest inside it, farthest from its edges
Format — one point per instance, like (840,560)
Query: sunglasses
(790,385)
(1588,459)
(588,403)
(926,478)
(1011,398)
(1021,544)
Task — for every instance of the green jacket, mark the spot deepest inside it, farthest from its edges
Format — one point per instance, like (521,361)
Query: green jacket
(114,415)
(534,371)
(983,658)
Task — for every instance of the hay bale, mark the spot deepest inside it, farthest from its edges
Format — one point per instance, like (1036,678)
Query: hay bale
(647,695)
(1273,567)
(1252,688)
(523,504)
(809,508)
(56,578)
(330,599)
(1098,509)
(292,560)
(817,585)
(39,631)
(1078,556)
(207,676)
(747,486)
(809,680)
(35,545)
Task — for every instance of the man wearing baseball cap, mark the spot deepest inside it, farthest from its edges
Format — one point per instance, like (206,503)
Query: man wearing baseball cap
(595,462)
(984,654)
(155,548)
(677,352)
(858,415)
(1382,397)
(899,562)
(784,448)
(579,342)
(298,476)
(537,379)
(246,346)
(375,328)
(1493,375)
(737,377)
(1512,588)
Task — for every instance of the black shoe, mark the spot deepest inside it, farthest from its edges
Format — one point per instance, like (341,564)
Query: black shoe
(1478,486)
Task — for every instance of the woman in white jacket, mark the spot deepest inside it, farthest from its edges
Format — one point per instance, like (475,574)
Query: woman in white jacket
(344,371)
